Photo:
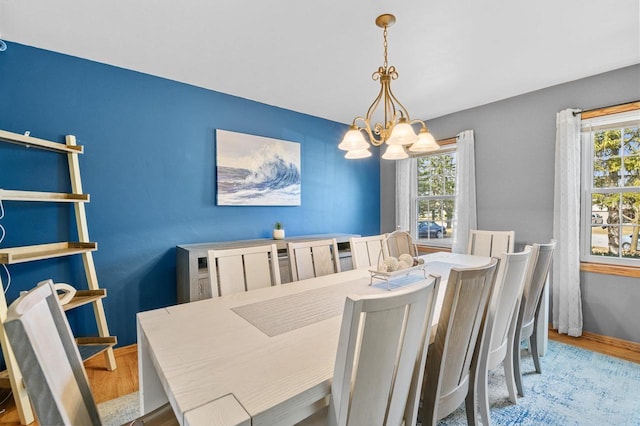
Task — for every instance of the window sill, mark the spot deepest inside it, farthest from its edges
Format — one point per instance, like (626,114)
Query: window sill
(608,269)
(424,249)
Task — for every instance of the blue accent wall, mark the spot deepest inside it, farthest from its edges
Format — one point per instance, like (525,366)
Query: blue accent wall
(149,166)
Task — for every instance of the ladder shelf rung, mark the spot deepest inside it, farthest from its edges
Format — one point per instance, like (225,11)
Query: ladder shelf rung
(83,297)
(16,195)
(29,141)
(14,255)
(92,346)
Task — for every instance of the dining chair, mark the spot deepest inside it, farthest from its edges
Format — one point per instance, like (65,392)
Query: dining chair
(490,243)
(527,322)
(499,328)
(400,242)
(309,259)
(453,355)
(48,357)
(380,357)
(368,251)
(243,269)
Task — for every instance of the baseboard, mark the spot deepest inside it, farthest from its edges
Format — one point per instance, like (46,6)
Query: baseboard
(606,340)
(612,341)
(125,350)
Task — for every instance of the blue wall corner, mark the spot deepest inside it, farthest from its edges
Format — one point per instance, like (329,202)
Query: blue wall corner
(149,166)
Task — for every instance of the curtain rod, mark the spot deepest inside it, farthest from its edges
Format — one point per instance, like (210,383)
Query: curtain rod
(612,109)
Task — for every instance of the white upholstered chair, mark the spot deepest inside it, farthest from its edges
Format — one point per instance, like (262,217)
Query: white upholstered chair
(309,259)
(368,251)
(527,322)
(400,242)
(453,355)
(380,358)
(499,329)
(50,362)
(243,269)
(490,243)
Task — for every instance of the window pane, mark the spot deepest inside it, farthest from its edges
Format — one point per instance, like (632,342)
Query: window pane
(606,173)
(614,219)
(436,175)
(629,249)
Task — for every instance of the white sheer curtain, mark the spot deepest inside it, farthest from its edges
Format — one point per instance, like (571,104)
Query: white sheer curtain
(464,216)
(406,186)
(567,305)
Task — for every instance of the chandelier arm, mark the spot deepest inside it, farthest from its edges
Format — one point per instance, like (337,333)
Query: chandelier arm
(422,124)
(366,126)
(390,110)
(403,111)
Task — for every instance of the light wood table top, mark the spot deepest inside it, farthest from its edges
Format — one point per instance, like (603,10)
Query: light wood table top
(259,357)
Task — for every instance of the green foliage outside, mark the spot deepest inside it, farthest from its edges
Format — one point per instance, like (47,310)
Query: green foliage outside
(616,166)
(437,187)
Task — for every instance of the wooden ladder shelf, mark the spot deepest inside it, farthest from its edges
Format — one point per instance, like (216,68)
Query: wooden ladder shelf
(88,346)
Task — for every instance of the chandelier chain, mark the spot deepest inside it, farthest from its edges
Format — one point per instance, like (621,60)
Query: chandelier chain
(385,47)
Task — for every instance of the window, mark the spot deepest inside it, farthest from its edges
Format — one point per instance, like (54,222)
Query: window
(610,195)
(434,200)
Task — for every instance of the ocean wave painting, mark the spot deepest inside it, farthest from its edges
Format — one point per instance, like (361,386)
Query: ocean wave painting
(256,171)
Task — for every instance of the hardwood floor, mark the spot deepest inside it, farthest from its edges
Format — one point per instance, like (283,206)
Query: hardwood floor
(107,385)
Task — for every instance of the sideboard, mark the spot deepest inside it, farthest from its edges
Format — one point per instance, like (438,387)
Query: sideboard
(192,275)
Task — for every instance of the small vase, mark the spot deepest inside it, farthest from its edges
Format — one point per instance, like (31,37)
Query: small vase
(278,234)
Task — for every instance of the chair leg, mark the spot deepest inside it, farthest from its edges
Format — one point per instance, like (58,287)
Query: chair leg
(470,405)
(517,374)
(509,375)
(533,348)
(483,399)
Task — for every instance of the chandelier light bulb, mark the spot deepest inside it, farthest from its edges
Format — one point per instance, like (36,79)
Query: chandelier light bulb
(402,134)
(395,152)
(353,140)
(361,153)
(426,142)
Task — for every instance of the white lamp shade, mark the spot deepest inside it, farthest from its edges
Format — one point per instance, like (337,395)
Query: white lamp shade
(353,140)
(360,153)
(402,134)
(426,142)
(395,152)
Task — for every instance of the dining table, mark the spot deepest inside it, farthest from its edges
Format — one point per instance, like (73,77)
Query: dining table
(261,357)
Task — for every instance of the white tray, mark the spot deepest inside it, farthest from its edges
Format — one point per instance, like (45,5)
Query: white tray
(387,276)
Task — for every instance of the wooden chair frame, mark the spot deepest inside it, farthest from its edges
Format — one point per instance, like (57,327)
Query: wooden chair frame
(490,243)
(243,269)
(309,259)
(365,251)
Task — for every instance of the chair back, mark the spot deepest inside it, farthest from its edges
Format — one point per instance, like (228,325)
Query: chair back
(453,354)
(504,303)
(542,255)
(400,242)
(48,357)
(381,356)
(309,259)
(490,243)
(365,251)
(243,269)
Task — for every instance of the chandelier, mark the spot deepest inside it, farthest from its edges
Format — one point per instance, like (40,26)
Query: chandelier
(397,131)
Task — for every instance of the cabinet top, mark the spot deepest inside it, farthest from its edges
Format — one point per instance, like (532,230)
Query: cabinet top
(281,244)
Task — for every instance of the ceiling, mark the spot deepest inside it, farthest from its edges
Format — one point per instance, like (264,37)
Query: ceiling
(318,57)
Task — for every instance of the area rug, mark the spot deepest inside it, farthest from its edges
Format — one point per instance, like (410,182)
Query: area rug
(121,410)
(576,387)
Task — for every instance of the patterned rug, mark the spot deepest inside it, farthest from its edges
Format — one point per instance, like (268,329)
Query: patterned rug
(576,388)
(120,411)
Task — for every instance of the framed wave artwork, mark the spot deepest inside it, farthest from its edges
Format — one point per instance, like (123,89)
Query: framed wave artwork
(256,171)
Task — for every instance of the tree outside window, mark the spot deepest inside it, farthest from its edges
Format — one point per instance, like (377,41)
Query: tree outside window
(615,192)
(435,200)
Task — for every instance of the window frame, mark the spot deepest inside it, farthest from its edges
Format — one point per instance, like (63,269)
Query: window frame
(446,146)
(607,118)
